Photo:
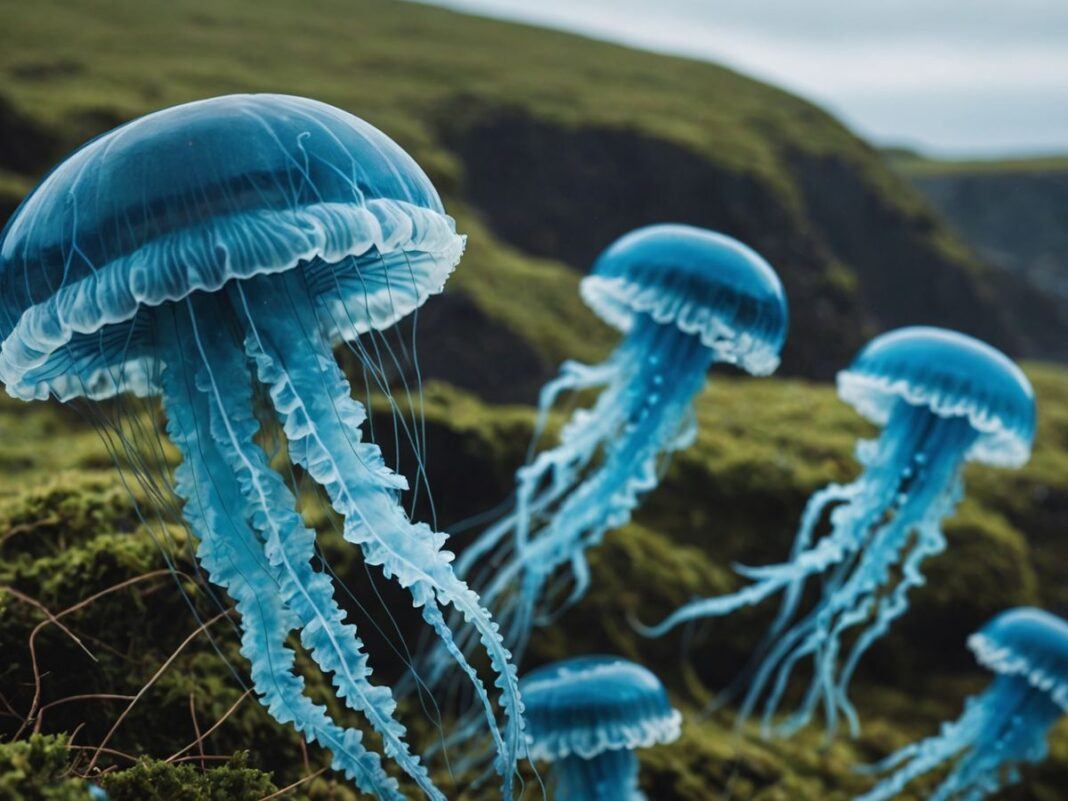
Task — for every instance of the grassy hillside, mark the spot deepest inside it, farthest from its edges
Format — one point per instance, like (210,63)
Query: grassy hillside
(69,532)
(545,146)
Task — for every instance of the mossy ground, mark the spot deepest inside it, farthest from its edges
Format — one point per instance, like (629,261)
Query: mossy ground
(68,530)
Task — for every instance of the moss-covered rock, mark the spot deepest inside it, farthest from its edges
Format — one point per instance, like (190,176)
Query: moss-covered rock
(764,446)
(38,769)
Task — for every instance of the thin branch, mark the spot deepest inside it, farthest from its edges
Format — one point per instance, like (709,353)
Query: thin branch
(162,668)
(294,785)
(214,726)
(196,728)
(54,618)
(69,698)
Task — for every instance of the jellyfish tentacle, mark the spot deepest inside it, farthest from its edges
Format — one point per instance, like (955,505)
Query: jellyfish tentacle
(580,439)
(645,407)
(887,520)
(1000,729)
(813,513)
(321,421)
(574,376)
(767,581)
(919,758)
(232,555)
(224,377)
(930,542)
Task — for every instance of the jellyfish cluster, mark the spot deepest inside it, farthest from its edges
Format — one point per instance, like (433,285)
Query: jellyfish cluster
(206,261)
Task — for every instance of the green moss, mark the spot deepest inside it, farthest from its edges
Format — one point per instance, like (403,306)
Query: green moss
(763,447)
(38,769)
(154,780)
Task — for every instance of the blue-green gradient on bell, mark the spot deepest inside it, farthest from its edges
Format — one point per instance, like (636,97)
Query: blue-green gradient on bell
(684,298)
(1003,727)
(587,715)
(942,398)
(212,254)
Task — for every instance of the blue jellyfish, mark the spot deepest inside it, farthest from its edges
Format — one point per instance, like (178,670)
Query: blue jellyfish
(684,298)
(587,715)
(1005,726)
(942,398)
(212,254)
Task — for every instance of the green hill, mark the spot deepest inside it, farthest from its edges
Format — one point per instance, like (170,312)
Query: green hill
(545,146)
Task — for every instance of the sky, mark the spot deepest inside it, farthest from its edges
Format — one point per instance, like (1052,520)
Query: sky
(964,78)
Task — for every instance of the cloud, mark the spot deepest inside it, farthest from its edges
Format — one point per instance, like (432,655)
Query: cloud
(965,76)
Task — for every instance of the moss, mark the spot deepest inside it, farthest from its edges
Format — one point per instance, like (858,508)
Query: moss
(735,495)
(38,769)
(155,780)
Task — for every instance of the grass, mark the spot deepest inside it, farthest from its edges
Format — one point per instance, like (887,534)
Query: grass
(919,166)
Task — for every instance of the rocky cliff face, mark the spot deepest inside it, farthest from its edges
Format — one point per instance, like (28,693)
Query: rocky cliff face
(1013,215)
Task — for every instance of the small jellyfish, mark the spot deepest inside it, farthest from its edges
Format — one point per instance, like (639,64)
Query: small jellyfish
(1005,726)
(942,398)
(684,298)
(212,254)
(587,716)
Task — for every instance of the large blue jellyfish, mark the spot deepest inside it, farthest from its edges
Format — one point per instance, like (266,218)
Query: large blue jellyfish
(587,716)
(942,398)
(1005,726)
(212,254)
(684,298)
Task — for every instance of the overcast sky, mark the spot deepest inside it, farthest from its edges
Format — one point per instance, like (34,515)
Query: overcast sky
(953,77)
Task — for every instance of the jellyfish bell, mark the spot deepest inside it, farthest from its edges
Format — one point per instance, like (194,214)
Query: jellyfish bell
(942,398)
(587,715)
(216,251)
(684,298)
(189,198)
(952,376)
(1004,727)
(699,281)
(1029,644)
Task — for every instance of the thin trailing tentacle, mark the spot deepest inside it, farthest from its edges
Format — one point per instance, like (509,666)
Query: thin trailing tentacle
(562,465)
(322,423)
(911,483)
(225,379)
(635,421)
(810,518)
(767,581)
(234,558)
(919,758)
(930,542)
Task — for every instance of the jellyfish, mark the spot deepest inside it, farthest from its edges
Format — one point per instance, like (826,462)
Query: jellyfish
(684,298)
(212,254)
(587,715)
(1003,727)
(942,398)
